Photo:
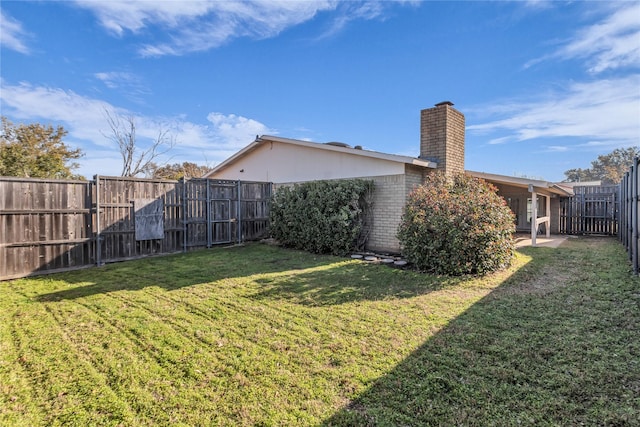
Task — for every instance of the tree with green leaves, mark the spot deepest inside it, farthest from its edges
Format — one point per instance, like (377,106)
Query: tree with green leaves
(36,151)
(178,170)
(608,168)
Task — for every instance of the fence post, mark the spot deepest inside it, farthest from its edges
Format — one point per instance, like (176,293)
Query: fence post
(239,214)
(208,215)
(184,214)
(634,202)
(623,209)
(98,222)
(630,177)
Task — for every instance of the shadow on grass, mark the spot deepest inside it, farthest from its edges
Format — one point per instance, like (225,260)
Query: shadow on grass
(346,282)
(275,273)
(555,344)
(174,272)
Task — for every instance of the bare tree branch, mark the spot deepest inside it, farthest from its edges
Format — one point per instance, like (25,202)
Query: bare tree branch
(136,160)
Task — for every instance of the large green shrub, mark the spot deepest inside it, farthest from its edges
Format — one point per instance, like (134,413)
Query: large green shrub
(455,225)
(322,216)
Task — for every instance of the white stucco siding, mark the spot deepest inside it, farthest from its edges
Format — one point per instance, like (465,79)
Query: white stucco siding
(277,162)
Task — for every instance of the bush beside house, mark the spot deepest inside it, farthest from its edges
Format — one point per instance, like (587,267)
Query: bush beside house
(456,225)
(323,216)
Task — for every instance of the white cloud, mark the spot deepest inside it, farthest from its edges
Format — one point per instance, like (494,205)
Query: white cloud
(201,25)
(604,110)
(128,84)
(351,12)
(192,26)
(237,131)
(610,44)
(557,148)
(119,16)
(80,114)
(12,35)
(116,79)
(84,119)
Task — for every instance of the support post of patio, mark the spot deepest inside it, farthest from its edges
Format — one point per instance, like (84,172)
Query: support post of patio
(547,211)
(534,214)
(535,221)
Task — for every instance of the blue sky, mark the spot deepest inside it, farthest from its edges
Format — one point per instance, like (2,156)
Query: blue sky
(545,86)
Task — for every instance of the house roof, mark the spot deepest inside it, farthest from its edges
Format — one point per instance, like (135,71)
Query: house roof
(561,189)
(539,185)
(330,146)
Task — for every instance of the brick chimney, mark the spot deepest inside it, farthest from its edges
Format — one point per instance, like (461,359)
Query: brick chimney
(442,137)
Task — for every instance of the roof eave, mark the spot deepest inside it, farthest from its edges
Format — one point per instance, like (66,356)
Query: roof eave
(228,162)
(523,183)
(319,146)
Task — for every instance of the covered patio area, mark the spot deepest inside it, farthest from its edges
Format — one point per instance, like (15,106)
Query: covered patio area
(535,203)
(553,241)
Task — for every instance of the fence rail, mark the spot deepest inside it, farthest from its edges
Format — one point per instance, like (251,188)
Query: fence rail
(55,225)
(629,220)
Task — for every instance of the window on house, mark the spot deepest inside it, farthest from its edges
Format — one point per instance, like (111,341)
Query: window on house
(541,208)
(514,205)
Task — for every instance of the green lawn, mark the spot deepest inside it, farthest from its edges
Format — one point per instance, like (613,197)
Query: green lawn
(259,335)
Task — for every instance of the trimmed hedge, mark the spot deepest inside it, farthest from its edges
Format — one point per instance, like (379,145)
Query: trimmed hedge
(323,216)
(457,225)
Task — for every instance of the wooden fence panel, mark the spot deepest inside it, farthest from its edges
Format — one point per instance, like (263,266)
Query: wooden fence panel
(592,210)
(254,208)
(117,217)
(45,225)
(224,211)
(53,225)
(196,213)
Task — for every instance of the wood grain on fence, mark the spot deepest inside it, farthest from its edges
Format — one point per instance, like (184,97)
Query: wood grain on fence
(53,225)
(591,210)
(117,217)
(45,225)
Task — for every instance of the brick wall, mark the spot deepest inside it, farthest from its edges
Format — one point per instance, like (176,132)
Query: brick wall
(388,205)
(442,137)
(414,176)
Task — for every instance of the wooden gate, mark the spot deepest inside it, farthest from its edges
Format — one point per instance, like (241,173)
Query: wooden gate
(591,210)
(219,211)
(55,225)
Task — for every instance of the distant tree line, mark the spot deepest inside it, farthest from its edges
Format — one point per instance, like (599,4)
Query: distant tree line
(178,170)
(608,168)
(38,151)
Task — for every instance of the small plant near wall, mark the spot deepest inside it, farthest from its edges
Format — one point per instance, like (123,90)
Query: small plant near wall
(323,216)
(455,225)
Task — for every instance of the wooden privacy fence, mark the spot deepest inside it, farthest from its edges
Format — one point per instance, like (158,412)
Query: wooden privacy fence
(54,225)
(591,210)
(629,220)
